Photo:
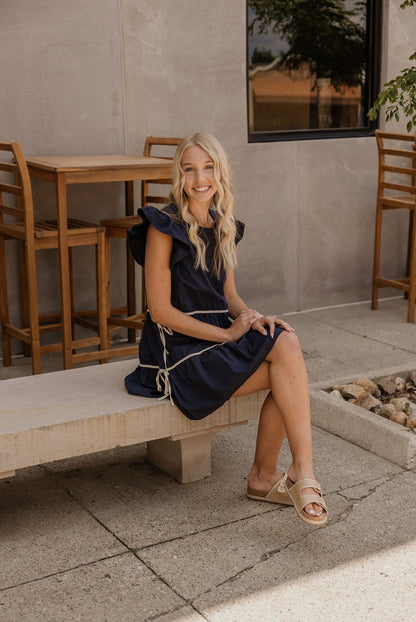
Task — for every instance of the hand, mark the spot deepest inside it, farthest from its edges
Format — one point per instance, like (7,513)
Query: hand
(242,324)
(270,320)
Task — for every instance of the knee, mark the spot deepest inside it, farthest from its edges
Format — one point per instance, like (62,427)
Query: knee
(287,345)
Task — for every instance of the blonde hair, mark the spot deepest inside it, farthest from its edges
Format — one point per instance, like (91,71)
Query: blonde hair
(222,203)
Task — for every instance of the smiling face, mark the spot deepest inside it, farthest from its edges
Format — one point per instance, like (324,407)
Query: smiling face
(200,185)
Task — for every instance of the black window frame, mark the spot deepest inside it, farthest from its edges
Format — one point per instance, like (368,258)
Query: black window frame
(374,35)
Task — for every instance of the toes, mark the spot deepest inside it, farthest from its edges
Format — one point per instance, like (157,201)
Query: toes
(313,509)
(310,509)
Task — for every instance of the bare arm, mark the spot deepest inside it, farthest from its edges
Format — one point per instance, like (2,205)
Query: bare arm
(158,291)
(236,306)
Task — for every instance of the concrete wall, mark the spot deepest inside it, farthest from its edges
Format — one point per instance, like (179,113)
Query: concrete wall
(96,77)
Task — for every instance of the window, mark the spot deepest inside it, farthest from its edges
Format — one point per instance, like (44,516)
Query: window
(312,67)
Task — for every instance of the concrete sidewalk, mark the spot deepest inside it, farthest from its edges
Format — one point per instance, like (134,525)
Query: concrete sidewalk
(111,538)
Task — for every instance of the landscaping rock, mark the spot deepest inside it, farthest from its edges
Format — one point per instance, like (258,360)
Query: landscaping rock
(367,384)
(400,383)
(401,404)
(392,397)
(411,421)
(399,417)
(367,401)
(387,385)
(352,391)
(387,410)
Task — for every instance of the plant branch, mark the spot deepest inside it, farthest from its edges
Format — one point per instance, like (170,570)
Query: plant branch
(399,94)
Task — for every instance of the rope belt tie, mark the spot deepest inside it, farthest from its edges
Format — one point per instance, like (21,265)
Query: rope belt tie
(162,331)
(163,374)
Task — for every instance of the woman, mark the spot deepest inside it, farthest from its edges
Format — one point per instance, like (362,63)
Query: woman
(201,344)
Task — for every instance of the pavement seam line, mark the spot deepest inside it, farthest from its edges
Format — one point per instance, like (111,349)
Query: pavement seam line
(387,478)
(351,332)
(135,551)
(334,521)
(261,560)
(163,580)
(131,550)
(65,570)
(188,604)
(213,527)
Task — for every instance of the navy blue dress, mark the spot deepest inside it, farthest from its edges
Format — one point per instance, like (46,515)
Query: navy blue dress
(197,375)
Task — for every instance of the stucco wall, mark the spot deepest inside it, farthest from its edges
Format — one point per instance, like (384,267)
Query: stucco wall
(96,77)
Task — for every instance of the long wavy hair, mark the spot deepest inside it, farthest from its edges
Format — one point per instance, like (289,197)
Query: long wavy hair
(222,203)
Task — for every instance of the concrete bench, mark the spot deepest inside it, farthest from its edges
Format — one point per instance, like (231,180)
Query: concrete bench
(80,411)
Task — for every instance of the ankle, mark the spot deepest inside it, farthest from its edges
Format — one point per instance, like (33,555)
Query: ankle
(300,470)
(261,476)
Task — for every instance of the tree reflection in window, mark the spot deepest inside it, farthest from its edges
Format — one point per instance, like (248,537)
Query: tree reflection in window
(308,64)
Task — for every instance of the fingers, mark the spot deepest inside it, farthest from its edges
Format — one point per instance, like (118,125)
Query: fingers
(243,323)
(270,321)
(257,325)
(284,325)
(250,318)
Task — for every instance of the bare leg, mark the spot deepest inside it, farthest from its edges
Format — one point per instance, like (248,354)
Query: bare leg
(286,409)
(270,436)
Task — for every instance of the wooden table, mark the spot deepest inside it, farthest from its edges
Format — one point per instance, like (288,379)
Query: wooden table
(65,170)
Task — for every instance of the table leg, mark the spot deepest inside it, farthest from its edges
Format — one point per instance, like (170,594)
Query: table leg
(131,282)
(64,280)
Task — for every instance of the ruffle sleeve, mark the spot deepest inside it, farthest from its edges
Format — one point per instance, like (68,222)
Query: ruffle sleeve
(163,222)
(240,230)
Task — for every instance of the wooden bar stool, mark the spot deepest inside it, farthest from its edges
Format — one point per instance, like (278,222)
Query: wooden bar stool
(17,222)
(126,316)
(397,176)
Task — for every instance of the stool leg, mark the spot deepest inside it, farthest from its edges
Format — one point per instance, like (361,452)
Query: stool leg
(23,296)
(376,261)
(32,290)
(412,274)
(102,292)
(131,283)
(409,248)
(4,305)
(131,292)
(71,288)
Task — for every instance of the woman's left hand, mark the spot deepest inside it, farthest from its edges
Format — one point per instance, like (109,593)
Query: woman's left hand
(270,320)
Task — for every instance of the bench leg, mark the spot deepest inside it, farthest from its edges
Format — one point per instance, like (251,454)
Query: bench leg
(186,459)
(7,474)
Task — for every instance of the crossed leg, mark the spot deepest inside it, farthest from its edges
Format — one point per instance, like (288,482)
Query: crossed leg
(285,411)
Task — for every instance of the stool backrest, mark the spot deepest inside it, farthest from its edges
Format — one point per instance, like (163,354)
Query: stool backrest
(15,187)
(397,165)
(150,192)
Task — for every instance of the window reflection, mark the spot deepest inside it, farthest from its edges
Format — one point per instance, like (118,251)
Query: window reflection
(307,64)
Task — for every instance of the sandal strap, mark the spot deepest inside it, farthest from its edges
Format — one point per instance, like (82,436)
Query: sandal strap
(305,483)
(301,500)
(313,499)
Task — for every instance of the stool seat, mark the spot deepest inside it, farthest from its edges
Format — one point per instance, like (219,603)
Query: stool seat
(49,228)
(118,227)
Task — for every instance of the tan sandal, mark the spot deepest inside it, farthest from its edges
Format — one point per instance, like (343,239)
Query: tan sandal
(276,494)
(300,500)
